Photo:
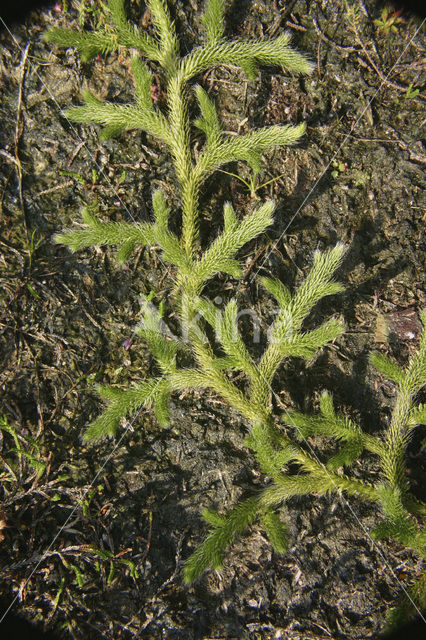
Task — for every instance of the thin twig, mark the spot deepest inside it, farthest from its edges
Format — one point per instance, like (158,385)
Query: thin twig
(64,185)
(322,35)
(379,72)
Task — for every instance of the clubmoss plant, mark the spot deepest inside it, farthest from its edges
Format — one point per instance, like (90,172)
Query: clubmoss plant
(404,515)
(215,360)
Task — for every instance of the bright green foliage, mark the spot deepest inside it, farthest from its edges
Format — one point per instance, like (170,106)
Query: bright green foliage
(168,43)
(193,267)
(154,331)
(213,20)
(286,337)
(116,118)
(387,367)
(225,530)
(248,147)
(125,236)
(120,403)
(247,55)
(404,514)
(275,530)
(219,256)
(209,121)
(393,493)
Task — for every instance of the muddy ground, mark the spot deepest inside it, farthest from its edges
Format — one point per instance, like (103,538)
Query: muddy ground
(95,540)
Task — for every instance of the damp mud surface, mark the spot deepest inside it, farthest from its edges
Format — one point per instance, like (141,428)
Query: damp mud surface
(93,538)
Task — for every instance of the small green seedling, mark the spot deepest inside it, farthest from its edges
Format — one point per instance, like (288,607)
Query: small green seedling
(389,21)
(339,168)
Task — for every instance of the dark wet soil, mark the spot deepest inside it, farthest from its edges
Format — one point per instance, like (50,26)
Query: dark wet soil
(95,546)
